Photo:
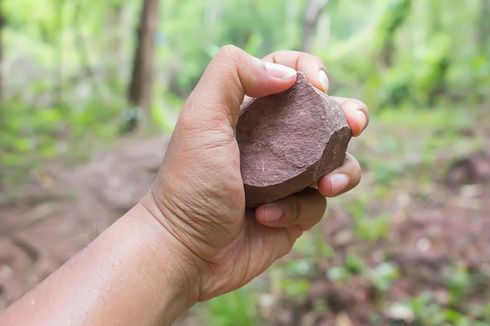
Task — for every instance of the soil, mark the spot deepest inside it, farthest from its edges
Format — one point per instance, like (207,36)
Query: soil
(62,209)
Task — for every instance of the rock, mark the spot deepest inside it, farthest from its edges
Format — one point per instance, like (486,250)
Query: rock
(288,141)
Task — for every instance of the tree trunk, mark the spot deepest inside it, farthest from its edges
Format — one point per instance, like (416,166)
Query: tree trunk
(84,49)
(60,50)
(2,25)
(313,9)
(392,20)
(115,43)
(484,28)
(139,92)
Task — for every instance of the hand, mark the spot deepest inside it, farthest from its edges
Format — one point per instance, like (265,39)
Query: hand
(198,197)
(296,209)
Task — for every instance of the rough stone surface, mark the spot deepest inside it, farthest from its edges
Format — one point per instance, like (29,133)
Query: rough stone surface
(288,141)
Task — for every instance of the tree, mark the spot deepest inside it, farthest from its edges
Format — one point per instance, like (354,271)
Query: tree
(139,91)
(2,24)
(313,9)
(484,28)
(393,19)
(60,49)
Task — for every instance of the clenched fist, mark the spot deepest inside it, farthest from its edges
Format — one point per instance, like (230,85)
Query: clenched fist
(198,197)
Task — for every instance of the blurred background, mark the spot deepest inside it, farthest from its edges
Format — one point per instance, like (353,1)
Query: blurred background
(90,91)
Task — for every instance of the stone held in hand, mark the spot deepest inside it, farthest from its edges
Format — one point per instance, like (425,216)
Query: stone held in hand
(288,141)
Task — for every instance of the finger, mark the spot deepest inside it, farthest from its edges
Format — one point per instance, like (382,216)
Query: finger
(310,65)
(229,76)
(356,112)
(341,179)
(303,209)
(268,244)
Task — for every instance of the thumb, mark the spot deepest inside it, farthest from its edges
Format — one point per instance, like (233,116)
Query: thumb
(229,76)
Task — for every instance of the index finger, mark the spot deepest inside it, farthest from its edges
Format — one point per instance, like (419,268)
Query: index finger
(356,112)
(310,65)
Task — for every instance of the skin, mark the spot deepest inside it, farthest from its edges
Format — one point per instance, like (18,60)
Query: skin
(191,238)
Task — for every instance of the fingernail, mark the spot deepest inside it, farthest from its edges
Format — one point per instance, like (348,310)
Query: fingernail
(272,212)
(361,116)
(323,79)
(279,71)
(338,182)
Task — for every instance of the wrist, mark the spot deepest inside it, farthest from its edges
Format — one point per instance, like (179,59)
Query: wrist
(132,274)
(180,277)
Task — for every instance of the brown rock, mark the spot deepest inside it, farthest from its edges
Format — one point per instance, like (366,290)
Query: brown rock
(288,141)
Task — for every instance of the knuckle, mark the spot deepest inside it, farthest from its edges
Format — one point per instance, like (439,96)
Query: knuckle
(229,51)
(354,104)
(323,205)
(295,209)
(186,117)
(354,169)
(277,55)
(357,180)
(354,164)
(361,105)
(307,58)
(316,214)
(318,61)
(357,177)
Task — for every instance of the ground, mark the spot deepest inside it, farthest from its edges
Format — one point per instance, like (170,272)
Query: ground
(62,209)
(412,252)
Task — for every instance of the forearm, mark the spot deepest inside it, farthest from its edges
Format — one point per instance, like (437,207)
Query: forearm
(129,275)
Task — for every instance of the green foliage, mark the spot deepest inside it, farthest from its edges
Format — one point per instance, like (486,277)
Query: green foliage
(383,275)
(422,66)
(33,133)
(194,31)
(233,309)
(368,227)
(408,52)
(313,245)
(72,65)
(461,308)
(428,312)
(372,228)
(292,278)
(297,289)
(421,140)
(458,283)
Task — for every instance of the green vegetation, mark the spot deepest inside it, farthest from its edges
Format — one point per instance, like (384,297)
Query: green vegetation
(236,308)
(422,66)
(63,76)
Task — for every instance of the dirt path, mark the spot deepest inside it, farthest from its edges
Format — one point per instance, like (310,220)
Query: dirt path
(65,208)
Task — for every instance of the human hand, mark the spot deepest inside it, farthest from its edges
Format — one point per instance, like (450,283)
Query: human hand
(198,197)
(286,212)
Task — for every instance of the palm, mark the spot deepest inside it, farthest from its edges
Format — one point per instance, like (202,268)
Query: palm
(247,252)
(233,245)
(254,249)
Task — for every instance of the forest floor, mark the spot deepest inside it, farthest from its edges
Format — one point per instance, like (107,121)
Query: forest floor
(420,256)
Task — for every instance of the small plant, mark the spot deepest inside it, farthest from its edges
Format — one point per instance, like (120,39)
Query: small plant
(383,275)
(368,228)
(458,282)
(428,312)
(372,229)
(235,308)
